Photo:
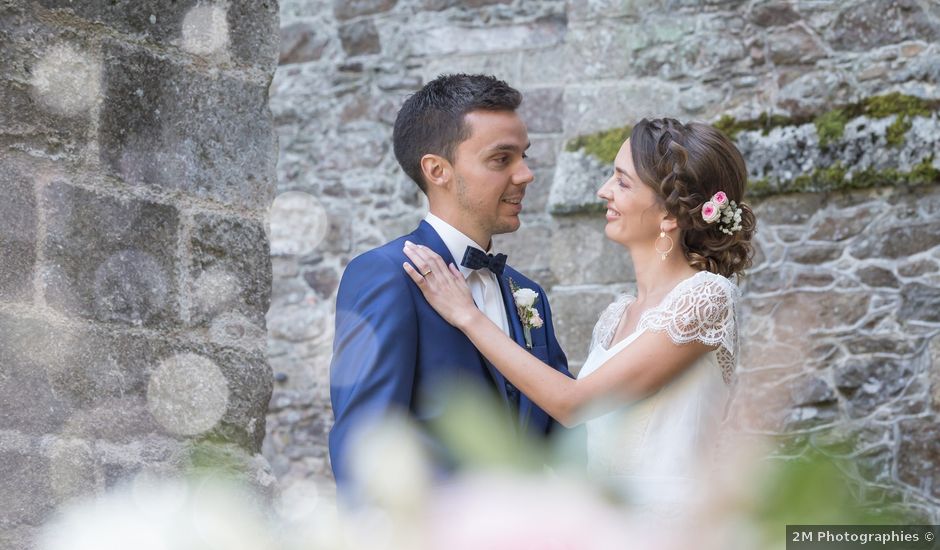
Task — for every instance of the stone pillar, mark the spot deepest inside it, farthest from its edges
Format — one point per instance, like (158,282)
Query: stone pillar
(138,163)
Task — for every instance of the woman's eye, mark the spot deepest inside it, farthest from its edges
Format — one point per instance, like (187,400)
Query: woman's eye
(622,183)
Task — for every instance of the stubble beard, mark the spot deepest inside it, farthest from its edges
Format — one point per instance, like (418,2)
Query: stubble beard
(491,223)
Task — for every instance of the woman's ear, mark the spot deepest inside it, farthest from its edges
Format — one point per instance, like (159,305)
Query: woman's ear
(436,170)
(668,225)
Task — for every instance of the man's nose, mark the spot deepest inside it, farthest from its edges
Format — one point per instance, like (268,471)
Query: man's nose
(524,175)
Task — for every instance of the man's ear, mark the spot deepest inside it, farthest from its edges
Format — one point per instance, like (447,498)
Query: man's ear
(437,170)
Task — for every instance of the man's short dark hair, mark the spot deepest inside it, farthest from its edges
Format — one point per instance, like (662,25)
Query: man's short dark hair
(431,121)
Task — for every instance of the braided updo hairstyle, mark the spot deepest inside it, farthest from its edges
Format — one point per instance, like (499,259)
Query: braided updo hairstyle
(685,164)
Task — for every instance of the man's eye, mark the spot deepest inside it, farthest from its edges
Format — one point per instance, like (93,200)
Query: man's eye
(501,160)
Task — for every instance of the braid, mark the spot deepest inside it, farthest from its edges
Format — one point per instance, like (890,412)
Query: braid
(685,165)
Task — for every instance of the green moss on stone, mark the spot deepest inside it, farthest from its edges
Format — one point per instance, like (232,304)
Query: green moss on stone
(765,122)
(838,178)
(830,126)
(759,188)
(924,173)
(604,145)
(897,103)
(727,125)
(897,130)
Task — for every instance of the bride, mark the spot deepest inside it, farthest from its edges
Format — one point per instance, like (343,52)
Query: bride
(655,385)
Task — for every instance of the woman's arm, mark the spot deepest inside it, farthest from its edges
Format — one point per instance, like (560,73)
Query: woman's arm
(636,371)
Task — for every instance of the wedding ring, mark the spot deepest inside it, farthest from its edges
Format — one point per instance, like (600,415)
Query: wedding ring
(426,274)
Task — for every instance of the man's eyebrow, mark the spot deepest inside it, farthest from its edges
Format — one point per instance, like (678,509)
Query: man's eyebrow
(508,147)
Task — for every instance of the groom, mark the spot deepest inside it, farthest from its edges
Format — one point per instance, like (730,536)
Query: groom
(461,141)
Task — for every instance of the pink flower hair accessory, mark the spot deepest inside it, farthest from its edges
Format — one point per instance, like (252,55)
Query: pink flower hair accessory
(726,212)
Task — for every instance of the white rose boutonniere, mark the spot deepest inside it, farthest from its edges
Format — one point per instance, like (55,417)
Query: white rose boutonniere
(525,305)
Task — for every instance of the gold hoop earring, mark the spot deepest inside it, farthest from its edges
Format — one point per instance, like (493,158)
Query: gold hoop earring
(664,253)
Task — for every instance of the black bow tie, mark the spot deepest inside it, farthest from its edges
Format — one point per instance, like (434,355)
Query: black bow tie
(474,258)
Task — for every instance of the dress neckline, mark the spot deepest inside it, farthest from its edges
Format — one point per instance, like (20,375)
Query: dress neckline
(649,310)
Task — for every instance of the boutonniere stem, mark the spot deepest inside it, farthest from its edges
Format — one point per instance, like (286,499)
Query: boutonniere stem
(525,305)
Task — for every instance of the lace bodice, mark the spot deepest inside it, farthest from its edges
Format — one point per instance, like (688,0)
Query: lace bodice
(702,308)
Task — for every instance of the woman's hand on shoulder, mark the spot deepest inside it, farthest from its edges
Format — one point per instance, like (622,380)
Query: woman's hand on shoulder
(443,286)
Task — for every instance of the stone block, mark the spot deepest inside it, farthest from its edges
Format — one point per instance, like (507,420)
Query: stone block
(810,254)
(26,347)
(438,5)
(792,210)
(545,66)
(875,23)
(542,110)
(27,496)
(230,269)
(597,107)
(28,125)
(918,454)
(108,259)
(811,391)
(347,9)
(584,40)
(244,28)
(21,537)
(877,277)
(917,268)
(537,192)
(574,314)
(920,302)
(323,280)
(250,382)
(897,242)
(869,385)
(771,13)
(149,136)
(582,254)
(442,40)
(793,46)
(799,313)
(933,359)
(529,250)
(606,9)
(17,233)
(360,38)
(577,178)
(502,65)
(543,154)
(302,42)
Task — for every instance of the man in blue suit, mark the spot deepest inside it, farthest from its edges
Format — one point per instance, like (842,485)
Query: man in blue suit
(462,142)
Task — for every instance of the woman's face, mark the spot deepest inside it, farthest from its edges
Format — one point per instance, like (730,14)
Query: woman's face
(633,214)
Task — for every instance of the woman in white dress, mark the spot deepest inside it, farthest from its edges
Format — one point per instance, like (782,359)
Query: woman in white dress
(655,386)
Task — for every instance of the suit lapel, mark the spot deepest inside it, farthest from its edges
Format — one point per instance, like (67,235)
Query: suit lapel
(426,235)
(516,330)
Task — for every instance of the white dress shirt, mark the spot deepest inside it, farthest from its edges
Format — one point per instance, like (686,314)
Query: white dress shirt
(484,287)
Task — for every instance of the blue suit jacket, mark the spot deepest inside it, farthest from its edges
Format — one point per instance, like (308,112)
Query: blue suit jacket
(392,350)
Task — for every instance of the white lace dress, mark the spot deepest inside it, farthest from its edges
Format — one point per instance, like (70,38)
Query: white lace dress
(655,450)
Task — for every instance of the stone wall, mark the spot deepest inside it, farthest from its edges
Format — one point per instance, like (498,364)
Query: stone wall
(587,66)
(138,157)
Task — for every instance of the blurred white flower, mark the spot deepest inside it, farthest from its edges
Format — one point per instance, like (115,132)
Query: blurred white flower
(390,465)
(161,515)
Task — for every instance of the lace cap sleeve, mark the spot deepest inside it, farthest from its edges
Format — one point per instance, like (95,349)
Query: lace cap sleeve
(703,310)
(608,321)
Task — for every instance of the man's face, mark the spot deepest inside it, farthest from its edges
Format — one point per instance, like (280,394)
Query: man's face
(491,172)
